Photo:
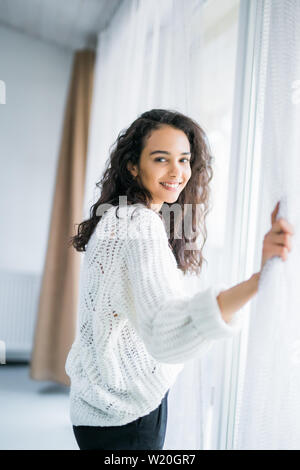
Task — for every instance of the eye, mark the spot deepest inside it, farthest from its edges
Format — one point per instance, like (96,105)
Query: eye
(157,159)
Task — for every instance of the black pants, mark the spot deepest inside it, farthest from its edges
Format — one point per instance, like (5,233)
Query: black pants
(145,433)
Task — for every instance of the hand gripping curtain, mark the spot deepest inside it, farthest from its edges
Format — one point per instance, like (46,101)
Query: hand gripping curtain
(269,416)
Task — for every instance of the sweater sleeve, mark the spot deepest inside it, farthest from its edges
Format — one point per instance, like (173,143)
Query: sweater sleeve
(174,326)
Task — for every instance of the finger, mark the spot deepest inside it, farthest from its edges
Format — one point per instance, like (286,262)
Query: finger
(271,250)
(281,239)
(275,212)
(281,251)
(282,225)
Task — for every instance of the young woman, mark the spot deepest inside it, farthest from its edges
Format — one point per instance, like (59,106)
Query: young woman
(137,324)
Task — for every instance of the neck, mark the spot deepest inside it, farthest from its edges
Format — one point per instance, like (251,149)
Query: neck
(156,207)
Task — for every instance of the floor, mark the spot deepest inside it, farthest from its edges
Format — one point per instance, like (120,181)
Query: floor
(34,414)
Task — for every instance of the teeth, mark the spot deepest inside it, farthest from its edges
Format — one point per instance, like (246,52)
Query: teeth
(173,185)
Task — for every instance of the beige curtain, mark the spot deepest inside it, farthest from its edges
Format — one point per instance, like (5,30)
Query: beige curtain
(56,318)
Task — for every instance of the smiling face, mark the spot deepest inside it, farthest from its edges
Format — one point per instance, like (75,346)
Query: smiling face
(164,159)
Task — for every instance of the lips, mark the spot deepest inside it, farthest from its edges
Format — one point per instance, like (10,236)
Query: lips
(171,187)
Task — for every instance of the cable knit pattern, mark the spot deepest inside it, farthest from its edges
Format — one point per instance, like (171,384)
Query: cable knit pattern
(137,325)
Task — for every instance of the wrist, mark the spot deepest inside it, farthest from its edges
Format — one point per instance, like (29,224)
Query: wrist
(255,280)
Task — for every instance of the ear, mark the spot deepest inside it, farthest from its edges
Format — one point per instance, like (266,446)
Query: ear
(132,169)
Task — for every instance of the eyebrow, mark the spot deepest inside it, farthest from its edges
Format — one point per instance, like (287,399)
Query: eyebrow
(167,153)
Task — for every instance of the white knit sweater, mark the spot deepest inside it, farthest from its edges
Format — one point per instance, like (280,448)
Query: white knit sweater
(137,325)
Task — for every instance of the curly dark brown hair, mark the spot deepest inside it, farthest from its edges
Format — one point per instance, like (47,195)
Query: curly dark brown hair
(118,181)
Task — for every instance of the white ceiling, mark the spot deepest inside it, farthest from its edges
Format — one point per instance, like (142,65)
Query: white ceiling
(69,23)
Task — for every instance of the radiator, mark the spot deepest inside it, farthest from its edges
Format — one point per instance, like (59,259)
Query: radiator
(19,295)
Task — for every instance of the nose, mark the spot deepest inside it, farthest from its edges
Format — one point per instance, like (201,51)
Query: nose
(175,170)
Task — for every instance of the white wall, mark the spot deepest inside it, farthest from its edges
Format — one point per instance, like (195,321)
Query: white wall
(37,76)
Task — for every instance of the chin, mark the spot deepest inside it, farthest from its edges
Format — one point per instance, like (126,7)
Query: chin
(171,198)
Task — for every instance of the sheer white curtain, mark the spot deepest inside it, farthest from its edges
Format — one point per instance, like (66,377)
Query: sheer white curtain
(141,64)
(269,413)
(150,56)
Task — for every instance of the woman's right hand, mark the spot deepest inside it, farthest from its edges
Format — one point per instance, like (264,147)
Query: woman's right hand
(277,242)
